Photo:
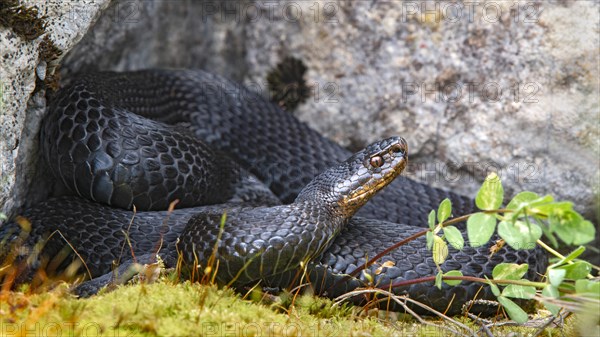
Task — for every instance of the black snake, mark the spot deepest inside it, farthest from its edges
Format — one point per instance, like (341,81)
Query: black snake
(149,137)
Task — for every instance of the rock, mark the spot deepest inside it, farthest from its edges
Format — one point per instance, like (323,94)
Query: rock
(391,76)
(23,55)
(475,87)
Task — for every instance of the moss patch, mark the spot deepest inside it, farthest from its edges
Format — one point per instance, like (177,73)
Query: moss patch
(185,309)
(24,21)
(165,309)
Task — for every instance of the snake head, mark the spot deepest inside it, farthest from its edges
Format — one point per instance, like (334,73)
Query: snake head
(349,185)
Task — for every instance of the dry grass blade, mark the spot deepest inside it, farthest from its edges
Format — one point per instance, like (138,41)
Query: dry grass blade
(401,300)
(74,251)
(244,267)
(209,274)
(165,224)
(305,276)
(549,320)
(127,241)
(569,303)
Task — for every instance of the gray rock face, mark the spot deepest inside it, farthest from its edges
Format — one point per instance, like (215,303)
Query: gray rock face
(22,101)
(474,87)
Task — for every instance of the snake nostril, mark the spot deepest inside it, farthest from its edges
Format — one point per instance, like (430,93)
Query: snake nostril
(398,148)
(404,145)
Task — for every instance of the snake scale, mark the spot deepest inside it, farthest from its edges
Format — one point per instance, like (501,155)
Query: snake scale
(146,138)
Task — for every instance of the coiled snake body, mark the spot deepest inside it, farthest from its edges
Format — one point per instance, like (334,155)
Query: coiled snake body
(147,138)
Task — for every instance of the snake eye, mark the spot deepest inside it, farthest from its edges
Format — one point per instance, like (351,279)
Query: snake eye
(376,161)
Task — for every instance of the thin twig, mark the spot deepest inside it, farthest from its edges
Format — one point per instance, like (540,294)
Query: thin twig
(545,325)
(396,298)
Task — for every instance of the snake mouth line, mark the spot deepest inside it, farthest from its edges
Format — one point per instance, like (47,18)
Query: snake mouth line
(370,189)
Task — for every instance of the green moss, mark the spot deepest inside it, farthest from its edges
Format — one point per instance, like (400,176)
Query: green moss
(165,309)
(181,309)
(24,21)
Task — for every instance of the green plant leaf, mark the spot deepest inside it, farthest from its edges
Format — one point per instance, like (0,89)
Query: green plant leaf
(556,276)
(545,209)
(480,228)
(509,271)
(572,256)
(368,276)
(491,193)
(431,220)
(521,200)
(572,228)
(440,250)
(453,273)
(429,237)
(454,237)
(513,310)
(577,270)
(494,287)
(588,288)
(438,280)
(526,199)
(519,291)
(520,235)
(552,292)
(444,210)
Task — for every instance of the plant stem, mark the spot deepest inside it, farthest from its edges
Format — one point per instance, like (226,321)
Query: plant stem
(380,255)
(549,249)
(472,279)
(418,235)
